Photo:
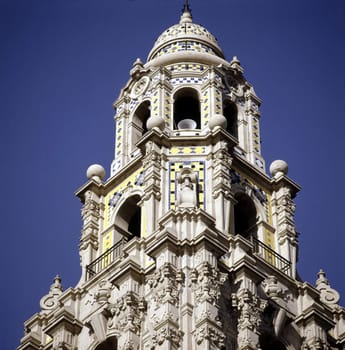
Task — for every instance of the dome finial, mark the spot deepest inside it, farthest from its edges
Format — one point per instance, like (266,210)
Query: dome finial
(186,16)
(186,7)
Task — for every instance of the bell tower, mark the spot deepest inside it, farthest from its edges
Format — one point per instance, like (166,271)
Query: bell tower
(189,244)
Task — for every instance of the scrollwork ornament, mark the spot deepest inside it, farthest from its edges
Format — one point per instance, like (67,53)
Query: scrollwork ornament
(51,300)
(328,295)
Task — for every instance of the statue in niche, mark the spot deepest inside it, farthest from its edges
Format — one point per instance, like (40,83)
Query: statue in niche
(187,190)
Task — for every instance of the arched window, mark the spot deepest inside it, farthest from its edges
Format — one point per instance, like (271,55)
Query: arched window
(186,106)
(230,113)
(245,215)
(108,344)
(128,218)
(138,124)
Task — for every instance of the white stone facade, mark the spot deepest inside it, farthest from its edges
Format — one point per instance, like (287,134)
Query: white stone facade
(189,244)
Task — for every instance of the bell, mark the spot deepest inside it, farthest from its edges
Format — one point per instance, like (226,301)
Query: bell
(186,124)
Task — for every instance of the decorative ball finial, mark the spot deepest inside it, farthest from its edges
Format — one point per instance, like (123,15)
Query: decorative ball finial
(217,120)
(95,172)
(278,168)
(155,122)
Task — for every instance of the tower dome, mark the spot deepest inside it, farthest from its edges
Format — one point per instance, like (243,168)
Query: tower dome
(185,36)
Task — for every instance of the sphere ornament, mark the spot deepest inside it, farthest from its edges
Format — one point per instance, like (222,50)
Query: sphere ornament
(95,172)
(278,168)
(155,122)
(217,120)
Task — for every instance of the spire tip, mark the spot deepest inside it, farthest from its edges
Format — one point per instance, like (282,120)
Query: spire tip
(186,16)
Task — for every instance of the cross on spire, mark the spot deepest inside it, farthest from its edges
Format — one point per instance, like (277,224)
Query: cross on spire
(186,16)
(186,7)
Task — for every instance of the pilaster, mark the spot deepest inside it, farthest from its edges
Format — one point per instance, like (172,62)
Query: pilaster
(91,215)
(152,183)
(283,209)
(221,192)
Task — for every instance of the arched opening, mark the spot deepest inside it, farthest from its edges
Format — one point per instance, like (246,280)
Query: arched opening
(186,106)
(128,218)
(108,344)
(140,116)
(230,113)
(245,216)
(269,342)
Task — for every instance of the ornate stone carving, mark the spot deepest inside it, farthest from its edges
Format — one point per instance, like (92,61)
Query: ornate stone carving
(91,215)
(222,162)
(314,344)
(91,207)
(250,309)
(90,240)
(127,313)
(271,287)
(129,345)
(205,282)
(212,334)
(166,284)
(50,301)
(104,291)
(252,102)
(285,211)
(167,333)
(152,166)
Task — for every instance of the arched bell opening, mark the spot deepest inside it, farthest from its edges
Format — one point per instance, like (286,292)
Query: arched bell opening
(245,216)
(128,218)
(108,344)
(138,123)
(230,113)
(187,109)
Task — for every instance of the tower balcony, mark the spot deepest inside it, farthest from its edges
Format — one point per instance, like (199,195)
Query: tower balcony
(272,257)
(106,259)
(259,248)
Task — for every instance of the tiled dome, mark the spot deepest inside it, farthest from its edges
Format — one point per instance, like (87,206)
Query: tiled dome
(185,36)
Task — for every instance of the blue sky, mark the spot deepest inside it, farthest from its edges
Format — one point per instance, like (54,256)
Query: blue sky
(63,63)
